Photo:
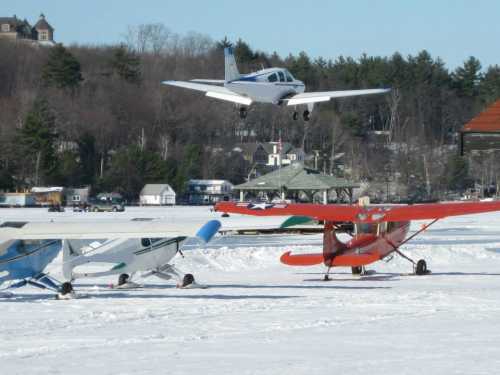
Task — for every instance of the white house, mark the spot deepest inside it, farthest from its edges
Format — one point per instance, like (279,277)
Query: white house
(157,194)
(209,191)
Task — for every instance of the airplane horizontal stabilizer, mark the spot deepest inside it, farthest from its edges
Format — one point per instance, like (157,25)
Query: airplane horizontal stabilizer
(301,259)
(212,91)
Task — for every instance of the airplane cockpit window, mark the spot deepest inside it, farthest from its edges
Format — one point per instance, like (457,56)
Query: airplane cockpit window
(366,228)
(282,76)
(272,78)
(289,77)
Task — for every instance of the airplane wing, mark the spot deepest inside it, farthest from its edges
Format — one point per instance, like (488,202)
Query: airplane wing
(365,214)
(212,91)
(212,81)
(108,230)
(324,96)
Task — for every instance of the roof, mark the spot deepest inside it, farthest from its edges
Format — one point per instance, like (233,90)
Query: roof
(487,121)
(296,177)
(42,24)
(208,182)
(156,189)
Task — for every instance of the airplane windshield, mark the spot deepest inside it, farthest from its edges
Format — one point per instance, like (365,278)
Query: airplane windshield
(272,78)
(366,228)
(289,77)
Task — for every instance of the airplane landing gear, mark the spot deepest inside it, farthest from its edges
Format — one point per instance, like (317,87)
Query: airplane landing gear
(357,270)
(123,279)
(243,113)
(306,115)
(421,268)
(187,280)
(66,291)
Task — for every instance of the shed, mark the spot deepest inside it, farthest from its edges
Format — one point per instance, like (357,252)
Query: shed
(482,133)
(157,194)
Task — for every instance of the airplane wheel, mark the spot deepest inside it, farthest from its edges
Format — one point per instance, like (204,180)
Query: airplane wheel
(306,115)
(123,279)
(357,270)
(243,113)
(421,267)
(188,279)
(66,288)
(295,116)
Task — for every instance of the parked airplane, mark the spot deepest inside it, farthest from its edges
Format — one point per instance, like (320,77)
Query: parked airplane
(379,231)
(273,85)
(26,248)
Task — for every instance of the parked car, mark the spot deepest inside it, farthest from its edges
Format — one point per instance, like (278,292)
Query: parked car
(56,208)
(99,205)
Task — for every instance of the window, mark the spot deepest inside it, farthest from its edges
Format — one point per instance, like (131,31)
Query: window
(76,198)
(5,27)
(289,77)
(272,78)
(366,228)
(43,35)
(282,76)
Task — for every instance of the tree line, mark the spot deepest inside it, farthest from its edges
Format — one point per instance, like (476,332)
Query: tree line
(98,115)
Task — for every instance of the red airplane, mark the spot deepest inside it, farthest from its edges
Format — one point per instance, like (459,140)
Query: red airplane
(378,230)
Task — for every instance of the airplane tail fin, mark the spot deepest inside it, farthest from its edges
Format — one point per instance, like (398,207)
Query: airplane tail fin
(231,72)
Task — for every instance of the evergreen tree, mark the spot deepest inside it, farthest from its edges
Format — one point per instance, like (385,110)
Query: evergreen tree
(37,139)
(126,65)
(467,77)
(458,178)
(62,69)
(490,85)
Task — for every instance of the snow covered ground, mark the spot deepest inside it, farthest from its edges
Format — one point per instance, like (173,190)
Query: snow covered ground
(261,317)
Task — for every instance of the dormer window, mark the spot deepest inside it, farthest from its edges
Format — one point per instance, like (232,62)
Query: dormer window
(5,27)
(43,35)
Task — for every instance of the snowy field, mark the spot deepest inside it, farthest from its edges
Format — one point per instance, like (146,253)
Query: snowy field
(261,317)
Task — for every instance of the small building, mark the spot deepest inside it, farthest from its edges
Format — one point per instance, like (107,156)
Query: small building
(299,183)
(157,195)
(76,196)
(208,191)
(482,133)
(270,154)
(48,196)
(17,200)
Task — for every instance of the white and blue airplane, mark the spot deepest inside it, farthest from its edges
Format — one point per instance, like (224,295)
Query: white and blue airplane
(27,248)
(274,85)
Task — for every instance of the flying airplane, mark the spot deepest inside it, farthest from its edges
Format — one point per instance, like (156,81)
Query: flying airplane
(274,85)
(379,231)
(26,248)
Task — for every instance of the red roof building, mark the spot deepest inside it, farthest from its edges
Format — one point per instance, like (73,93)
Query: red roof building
(482,133)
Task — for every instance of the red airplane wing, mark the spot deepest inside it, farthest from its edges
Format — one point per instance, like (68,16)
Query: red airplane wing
(347,260)
(438,210)
(314,211)
(355,213)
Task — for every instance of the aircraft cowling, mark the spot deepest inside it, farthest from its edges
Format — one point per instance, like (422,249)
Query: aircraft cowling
(332,246)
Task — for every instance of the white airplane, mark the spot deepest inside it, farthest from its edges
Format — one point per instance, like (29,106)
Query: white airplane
(26,248)
(274,85)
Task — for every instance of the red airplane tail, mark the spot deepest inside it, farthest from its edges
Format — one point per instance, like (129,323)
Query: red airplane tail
(331,246)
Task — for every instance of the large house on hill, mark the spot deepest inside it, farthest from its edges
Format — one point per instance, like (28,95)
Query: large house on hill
(16,29)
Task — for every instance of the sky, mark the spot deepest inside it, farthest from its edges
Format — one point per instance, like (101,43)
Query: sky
(450,29)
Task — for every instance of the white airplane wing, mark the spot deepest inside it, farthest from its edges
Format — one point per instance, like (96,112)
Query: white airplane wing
(108,230)
(324,96)
(212,91)
(212,81)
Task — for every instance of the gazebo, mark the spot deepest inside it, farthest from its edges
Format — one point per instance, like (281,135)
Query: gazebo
(296,179)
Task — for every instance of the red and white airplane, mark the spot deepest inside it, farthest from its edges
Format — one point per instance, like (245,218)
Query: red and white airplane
(378,232)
